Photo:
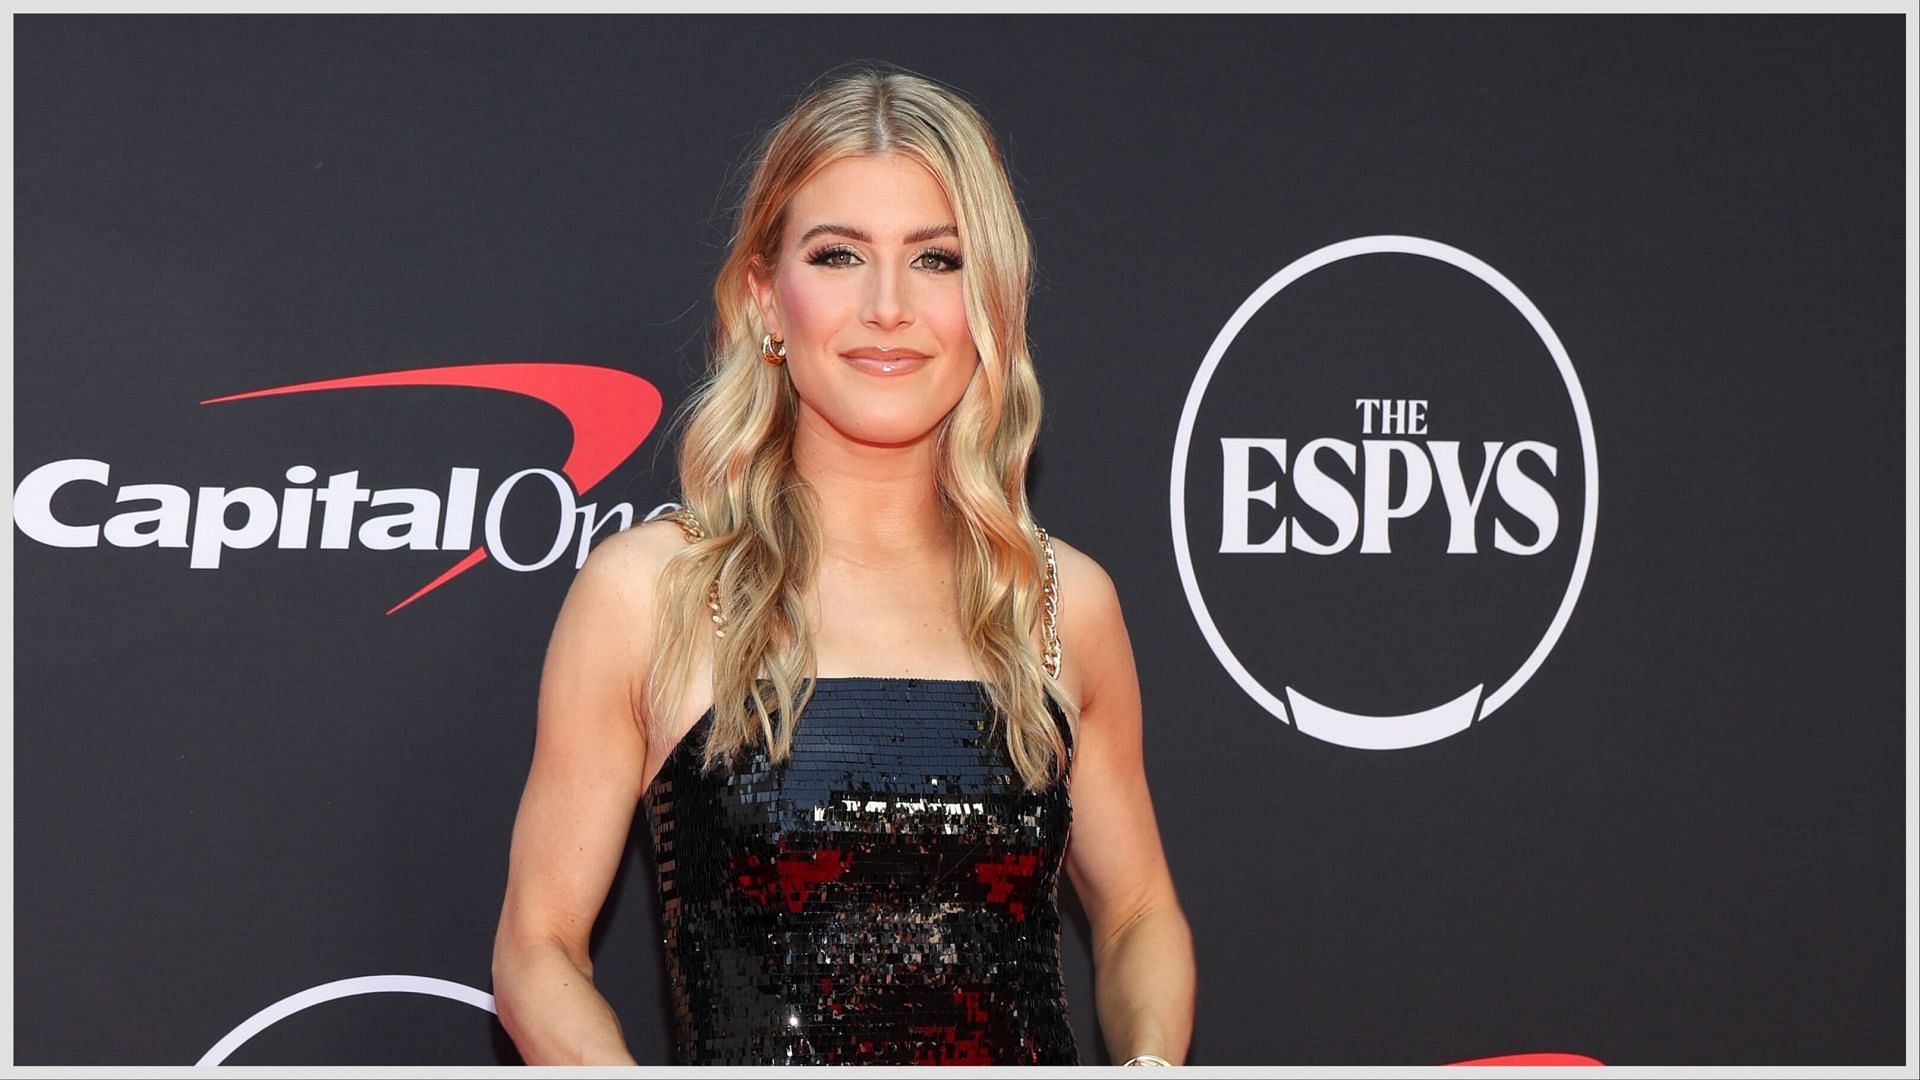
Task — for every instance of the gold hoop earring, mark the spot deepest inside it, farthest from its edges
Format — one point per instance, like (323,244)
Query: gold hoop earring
(773,350)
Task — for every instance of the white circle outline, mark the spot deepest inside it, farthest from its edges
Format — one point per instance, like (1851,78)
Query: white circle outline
(1294,271)
(333,991)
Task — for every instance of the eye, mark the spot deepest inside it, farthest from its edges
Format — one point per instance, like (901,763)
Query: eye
(835,255)
(939,259)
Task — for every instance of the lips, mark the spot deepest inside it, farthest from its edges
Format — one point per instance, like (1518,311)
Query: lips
(886,363)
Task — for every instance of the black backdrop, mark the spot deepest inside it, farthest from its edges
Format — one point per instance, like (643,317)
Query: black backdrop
(1679,842)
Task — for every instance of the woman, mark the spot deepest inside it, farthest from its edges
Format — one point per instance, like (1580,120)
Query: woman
(869,874)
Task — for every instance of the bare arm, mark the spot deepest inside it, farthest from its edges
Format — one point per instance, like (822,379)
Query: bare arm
(1143,960)
(589,760)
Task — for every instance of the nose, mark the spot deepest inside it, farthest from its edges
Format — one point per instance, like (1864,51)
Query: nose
(888,307)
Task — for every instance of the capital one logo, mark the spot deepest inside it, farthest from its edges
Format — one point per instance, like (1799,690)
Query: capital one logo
(609,412)
(1384,492)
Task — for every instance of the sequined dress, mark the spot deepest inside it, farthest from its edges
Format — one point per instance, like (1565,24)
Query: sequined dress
(888,896)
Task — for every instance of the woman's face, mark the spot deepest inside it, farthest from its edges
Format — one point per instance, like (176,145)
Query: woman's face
(866,292)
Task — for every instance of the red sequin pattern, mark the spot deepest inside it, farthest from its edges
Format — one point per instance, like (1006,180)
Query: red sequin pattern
(888,896)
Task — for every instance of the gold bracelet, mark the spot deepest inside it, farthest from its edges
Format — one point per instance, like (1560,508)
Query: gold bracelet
(1148,1059)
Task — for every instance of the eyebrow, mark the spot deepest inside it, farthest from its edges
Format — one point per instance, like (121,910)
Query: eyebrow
(920,235)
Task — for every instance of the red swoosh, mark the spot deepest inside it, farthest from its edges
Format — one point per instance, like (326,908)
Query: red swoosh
(611,413)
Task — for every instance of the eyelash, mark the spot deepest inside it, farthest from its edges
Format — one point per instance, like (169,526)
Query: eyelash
(951,259)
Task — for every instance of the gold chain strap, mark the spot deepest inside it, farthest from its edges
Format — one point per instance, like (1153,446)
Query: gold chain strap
(690,525)
(1051,606)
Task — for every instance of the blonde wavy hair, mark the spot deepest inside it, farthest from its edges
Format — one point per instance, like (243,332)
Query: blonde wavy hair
(737,474)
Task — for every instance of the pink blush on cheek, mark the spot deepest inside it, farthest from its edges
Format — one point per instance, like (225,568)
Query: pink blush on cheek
(809,310)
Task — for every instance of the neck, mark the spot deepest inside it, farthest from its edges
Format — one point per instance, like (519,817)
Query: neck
(877,505)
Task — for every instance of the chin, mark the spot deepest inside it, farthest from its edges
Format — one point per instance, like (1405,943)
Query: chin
(881,422)
(890,434)
(889,427)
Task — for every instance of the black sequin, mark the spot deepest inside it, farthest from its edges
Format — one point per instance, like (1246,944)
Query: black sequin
(888,896)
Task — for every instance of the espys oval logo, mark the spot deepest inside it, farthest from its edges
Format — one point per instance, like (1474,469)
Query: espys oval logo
(1374,504)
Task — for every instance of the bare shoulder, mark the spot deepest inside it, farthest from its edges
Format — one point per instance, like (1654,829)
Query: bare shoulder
(1088,597)
(649,542)
(612,594)
(625,566)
